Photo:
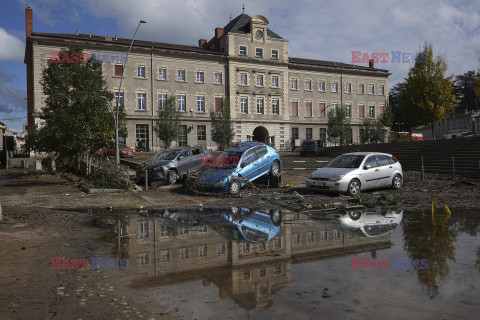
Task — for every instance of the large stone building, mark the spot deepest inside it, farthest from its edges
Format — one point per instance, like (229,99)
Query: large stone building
(274,98)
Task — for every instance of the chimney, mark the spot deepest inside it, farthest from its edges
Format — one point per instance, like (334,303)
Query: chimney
(202,42)
(28,21)
(371,63)
(218,34)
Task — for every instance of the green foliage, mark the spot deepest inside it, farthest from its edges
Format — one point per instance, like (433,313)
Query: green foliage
(168,122)
(372,130)
(76,120)
(222,129)
(339,125)
(385,199)
(108,176)
(464,89)
(428,96)
(387,116)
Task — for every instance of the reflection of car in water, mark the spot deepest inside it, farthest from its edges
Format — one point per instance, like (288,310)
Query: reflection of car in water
(365,224)
(245,224)
(175,218)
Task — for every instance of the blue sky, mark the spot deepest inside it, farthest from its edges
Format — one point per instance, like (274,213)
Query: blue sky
(326,30)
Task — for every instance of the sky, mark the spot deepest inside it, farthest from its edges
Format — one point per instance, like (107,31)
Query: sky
(316,29)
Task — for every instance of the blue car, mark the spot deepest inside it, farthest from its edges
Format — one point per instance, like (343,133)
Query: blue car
(236,166)
(241,224)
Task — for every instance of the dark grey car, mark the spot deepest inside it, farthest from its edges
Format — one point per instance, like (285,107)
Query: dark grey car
(172,164)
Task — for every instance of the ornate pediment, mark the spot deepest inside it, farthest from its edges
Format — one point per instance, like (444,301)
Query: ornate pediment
(243,91)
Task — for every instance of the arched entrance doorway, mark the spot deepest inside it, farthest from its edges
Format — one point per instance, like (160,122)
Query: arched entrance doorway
(260,134)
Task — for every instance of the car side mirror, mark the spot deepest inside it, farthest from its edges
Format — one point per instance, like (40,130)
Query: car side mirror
(367,167)
(180,158)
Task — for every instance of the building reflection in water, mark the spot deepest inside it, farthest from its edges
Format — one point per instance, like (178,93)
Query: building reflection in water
(176,246)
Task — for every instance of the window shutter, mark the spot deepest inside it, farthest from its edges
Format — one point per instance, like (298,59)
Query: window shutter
(218,104)
(322,109)
(294,109)
(118,70)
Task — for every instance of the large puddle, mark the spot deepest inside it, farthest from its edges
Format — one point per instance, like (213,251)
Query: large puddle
(263,263)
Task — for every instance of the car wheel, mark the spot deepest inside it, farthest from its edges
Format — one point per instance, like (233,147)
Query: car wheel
(354,187)
(354,215)
(276,217)
(275,169)
(172,177)
(234,187)
(397,181)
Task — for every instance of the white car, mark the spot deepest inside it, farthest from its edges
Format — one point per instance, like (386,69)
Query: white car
(357,171)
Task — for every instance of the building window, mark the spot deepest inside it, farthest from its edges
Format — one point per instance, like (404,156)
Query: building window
(202,136)
(141,72)
(200,104)
(308,85)
(262,246)
(262,273)
(274,54)
(246,275)
(181,103)
(361,88)
(334,86)
(184,253)
(294,109)
(118,70)
(361,110)
(143,259)
(294,133)
(218,78)
(334,108)
(349,110)
(321,109)
(260,105)
(162,74)
(181,75)
(200,77)
(323,235)
(258,52)
(381,90)
(164,231)
(141,101)
(293,84)
(182,135)
(308,133)
(371,89)
(371,111)
(166,256)
(275,106)
(348,88)
(336,235)
(202,251)
(278,243)
(242,51)
(141,135)
(321,86)
(220,248)
(274,82)
(243,79)
(277,270)
(143,232)
(246,247)
(162,101)
(202,228)
(183,231)
(243,105)
(323,134)
(308,109)
(119,98)
(259,80)
(310,236)
(296,238)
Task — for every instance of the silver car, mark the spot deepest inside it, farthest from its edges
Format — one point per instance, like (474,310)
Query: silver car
(353,172)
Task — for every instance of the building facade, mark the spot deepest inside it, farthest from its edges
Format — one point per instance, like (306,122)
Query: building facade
(273,98)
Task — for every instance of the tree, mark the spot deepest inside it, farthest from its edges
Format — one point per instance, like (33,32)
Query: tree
(476,82)
(222,129)
(76,119)
(168,122)
(464,90)
(428,96)
(339,125)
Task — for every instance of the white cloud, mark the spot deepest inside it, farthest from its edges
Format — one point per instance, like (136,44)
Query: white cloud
(11,48)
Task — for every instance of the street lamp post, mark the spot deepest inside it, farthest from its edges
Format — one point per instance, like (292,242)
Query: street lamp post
(117,150)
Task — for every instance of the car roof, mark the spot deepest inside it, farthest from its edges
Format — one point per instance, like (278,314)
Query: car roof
(366,153)
(243,146)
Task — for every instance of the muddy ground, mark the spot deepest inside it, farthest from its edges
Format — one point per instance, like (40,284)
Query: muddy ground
(38,225)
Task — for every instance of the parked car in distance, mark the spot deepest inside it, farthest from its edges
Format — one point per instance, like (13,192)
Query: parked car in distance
(234,167)
(170,165)
(354,172)
(125,152)
(310,147)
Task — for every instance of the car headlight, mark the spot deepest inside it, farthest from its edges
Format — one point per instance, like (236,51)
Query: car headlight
(337,177)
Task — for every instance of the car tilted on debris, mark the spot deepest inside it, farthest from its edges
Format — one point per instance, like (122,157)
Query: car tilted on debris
(237,166)
(170,165)
(353,172)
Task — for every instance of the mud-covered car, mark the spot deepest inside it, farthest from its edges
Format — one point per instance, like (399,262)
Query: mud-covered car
(170,165)
(235,167)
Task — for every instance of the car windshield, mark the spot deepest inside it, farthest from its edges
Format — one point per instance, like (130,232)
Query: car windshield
(346,161)
(166,155)
(227,159)
(254,235)
(308,143)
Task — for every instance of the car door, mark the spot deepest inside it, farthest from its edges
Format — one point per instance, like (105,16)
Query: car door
(196,161)
(371,172)
(262,160)
(184,161)
(385,169)
(248,164)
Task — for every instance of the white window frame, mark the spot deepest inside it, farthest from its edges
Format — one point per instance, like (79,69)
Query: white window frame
(246,79)
(262,100)
(243,107)
(256,52)
(179,106)
(324,84)
(159,70)
(139,75)
(292,81)
(348,106)
(381,90)
(334,86)
(240,50)
(262,77)
(277,81)
(371,86)
(143,97)
(179,72)
(201,104)
(309,81)
(160,107)
(349,86)
(273,56)
(200,77)
(215,78)
(370,113)
(277,107)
